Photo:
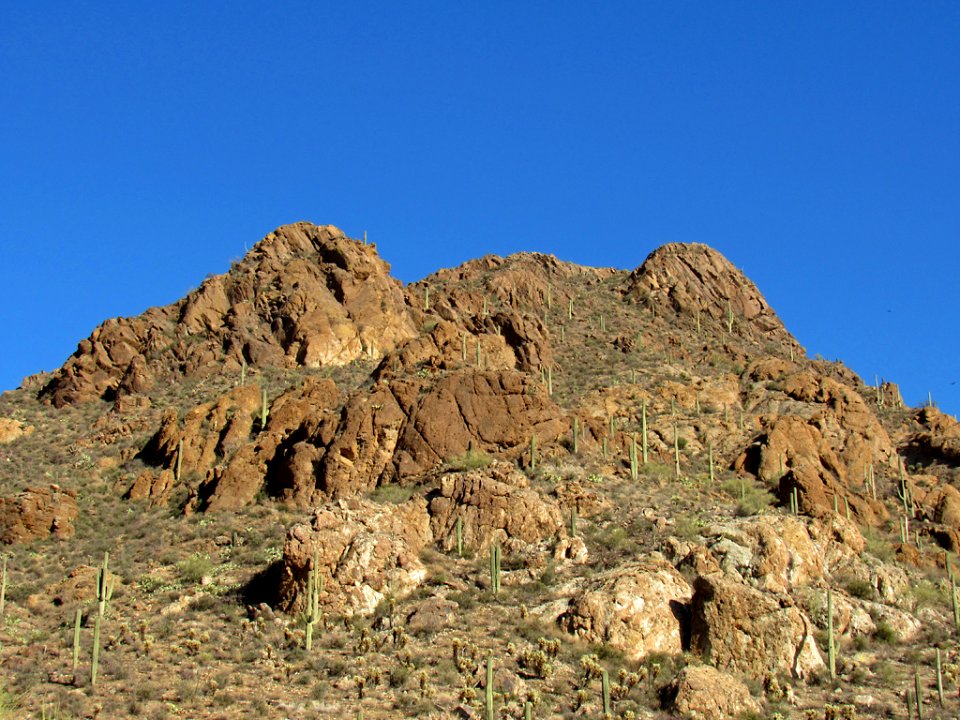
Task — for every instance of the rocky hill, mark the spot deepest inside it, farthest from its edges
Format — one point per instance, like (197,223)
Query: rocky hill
(520,484)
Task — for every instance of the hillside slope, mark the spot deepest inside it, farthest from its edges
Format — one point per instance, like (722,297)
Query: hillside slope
(563,470)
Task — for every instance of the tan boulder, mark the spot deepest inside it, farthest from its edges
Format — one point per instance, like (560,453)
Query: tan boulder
(153,487)
(365,552)
(12,430)
(701,692)
(639,609)
(38,513)
(495,504)
(741,629)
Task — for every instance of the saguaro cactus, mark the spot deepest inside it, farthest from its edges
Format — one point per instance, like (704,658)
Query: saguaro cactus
(3,586)
(488,690)
(104,586)
(264,410)
(495,568)
(76,637)
(605,689)
(314,588)
(459,536)
(831,647)
(179,466)
(96,653)
(643,429)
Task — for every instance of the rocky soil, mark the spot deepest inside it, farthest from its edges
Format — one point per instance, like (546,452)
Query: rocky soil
(576,478)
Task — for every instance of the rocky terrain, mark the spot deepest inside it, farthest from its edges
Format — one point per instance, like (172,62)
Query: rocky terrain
(518,486)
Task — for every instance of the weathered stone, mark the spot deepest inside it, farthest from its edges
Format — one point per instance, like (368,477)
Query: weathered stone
(494,504)
(38,513)
(639,609)
(365,552)
(741,629)
(701,692)
(12,430)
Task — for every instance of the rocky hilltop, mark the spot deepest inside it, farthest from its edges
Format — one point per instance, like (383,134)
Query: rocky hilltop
(519,482)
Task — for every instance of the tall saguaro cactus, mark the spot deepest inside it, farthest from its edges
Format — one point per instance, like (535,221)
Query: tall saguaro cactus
(104,586)
(488,691)
(314,588)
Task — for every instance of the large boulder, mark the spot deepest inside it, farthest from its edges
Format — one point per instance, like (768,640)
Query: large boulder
(37,513)
(820,444)
(364,552)
(701,692)
(936,441)
(12,430)
(495,504)
(639,609)
(741,629)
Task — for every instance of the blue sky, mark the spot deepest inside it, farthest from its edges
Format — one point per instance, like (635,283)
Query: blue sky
(816,144)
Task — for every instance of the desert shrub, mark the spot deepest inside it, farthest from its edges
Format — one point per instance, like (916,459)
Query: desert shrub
(859,588)
(195,568)
(470,460)
(392,494)
(877,545)
(753,498)
(885,633)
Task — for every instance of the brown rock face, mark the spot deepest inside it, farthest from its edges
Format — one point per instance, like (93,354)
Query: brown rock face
(305,295)
(937,442)
(701,692)
(395,431)
(638,609)
(693,278)
(365,552)
(37,513)
(496,505)
(779,553)
(819,442)
(740,629)
(495,411)
(153,487)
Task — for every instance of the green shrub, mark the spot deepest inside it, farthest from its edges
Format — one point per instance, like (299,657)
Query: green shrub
(753,498)
(195,568)
(859,588)
(393,494)
(470,460)
(885,633)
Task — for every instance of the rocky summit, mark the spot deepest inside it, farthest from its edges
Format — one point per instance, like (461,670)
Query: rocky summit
(516,488)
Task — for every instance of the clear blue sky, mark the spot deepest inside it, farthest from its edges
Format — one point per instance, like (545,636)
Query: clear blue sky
(816,144)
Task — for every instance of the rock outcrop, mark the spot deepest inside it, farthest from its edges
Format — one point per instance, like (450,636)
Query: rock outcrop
(701,692)
(744,630)
(316,445)
(303,296)
(495,504)
(364,552)
(38,513)
(12,430)
(695,279)
(639,609)
(938,440)
(820,441)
